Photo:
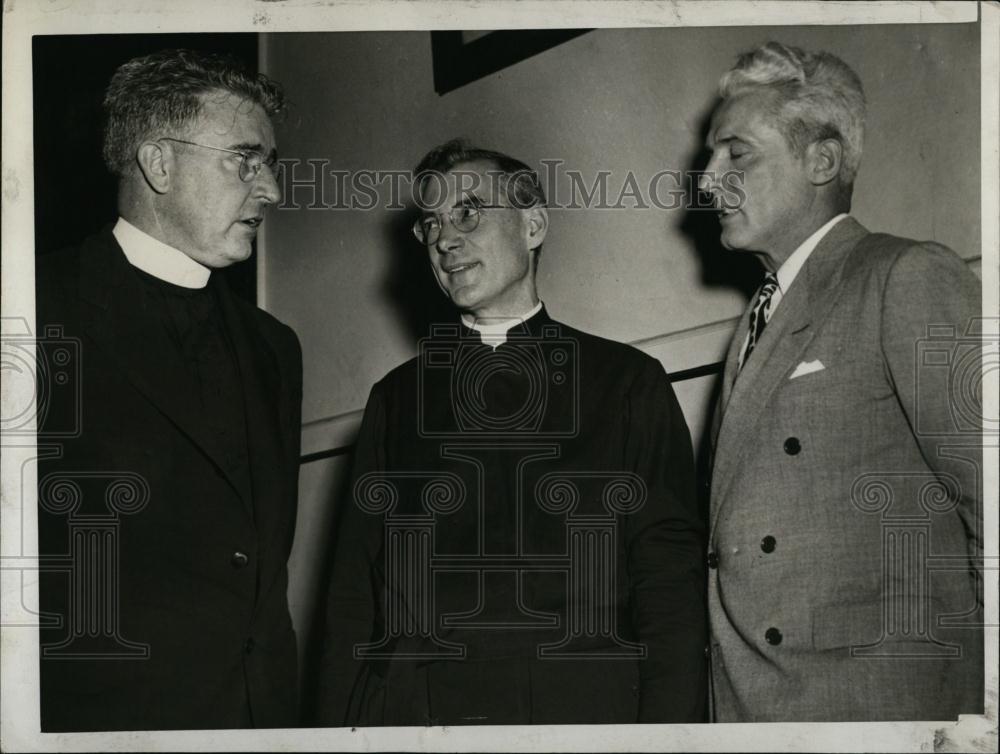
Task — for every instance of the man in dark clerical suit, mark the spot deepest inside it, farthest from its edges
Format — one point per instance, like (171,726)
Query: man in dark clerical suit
(168,480)
(523,544)
(845,545)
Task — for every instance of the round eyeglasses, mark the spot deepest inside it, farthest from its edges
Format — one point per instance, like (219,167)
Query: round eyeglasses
(251,161)
(465,218)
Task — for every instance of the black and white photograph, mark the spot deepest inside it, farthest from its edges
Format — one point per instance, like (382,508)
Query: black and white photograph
(538,375)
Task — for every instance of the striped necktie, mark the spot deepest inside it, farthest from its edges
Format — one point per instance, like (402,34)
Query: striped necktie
(767,299)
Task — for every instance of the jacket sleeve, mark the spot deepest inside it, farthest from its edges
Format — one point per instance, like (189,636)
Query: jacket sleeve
(932,342)
(666,558)
(350,606)
(293,364)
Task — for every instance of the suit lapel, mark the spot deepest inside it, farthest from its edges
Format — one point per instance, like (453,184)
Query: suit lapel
(791,329)
(728,376)
(733,355)
(117,317)
(268,446)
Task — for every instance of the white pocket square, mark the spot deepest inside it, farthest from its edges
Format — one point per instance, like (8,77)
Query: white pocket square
(807,367)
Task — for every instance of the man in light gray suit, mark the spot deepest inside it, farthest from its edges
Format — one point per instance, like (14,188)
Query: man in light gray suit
(845,551)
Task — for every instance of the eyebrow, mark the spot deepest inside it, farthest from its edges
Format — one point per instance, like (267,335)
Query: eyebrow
(726,140)
(258,147)
(469,198)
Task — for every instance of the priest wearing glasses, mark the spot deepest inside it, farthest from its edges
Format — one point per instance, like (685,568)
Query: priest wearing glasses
(522,543)
(167,489)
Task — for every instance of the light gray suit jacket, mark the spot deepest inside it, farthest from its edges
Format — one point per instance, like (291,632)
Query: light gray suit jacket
(846,494)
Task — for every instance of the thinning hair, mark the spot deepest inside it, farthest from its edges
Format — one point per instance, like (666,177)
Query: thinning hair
(522,186)
(163,93)
(819,97)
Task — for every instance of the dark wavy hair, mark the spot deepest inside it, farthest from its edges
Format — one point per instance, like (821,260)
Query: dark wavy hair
(163,92)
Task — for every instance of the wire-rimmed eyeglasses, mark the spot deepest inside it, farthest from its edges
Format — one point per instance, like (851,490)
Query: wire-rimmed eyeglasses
(465,218)
(250,164)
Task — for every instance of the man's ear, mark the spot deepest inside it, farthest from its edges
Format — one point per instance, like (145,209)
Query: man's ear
(825,158)
(537,225)
(156,163)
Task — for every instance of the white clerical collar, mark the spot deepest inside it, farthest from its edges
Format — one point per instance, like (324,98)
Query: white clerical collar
(790,269)
(494,332)
(158,259)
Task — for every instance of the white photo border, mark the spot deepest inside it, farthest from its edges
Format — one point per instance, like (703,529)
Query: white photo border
(19,717)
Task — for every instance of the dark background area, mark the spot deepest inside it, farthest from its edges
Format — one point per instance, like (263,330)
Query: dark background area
(457,62)
(75,195)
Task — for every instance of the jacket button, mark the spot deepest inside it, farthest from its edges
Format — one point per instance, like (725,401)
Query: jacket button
(768,543)
(239,559)
(773,636)
(793,446)
(249,644)
(713,560)
(708,651)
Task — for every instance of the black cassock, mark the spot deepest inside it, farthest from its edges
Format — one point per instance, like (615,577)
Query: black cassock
(169,460)
(522,544)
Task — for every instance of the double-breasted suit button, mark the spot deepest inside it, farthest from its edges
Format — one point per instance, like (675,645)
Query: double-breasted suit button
(793,446)
(708,651)
(239,560)
(768,543)
(713,560)
(773,636)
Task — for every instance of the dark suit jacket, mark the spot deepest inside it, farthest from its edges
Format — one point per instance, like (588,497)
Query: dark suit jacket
(846,494)
(509,460)
(184,621)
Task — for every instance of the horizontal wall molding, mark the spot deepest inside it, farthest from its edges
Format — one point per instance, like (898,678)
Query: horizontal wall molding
(330,432)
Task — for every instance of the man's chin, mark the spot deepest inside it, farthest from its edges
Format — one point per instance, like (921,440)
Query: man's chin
(463,299)
(229,257)
(219,257)
(732,242)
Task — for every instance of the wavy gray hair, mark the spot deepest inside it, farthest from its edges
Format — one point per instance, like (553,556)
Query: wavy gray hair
(150,94)
(819,97)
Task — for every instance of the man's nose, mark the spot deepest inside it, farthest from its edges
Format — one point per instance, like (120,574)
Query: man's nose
(708,179)
(705,183)
(266,186)
(450,238)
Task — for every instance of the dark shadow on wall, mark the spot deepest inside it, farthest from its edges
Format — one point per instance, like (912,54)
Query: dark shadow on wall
(410,287)
(719,267)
